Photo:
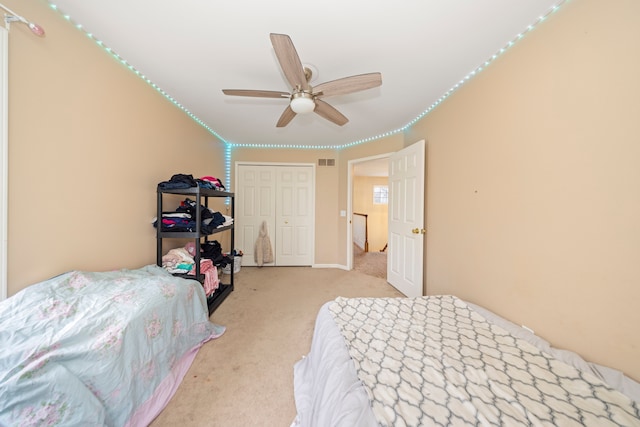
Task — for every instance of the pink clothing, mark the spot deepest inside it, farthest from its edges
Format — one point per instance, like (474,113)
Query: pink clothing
(191,248)
(210,271)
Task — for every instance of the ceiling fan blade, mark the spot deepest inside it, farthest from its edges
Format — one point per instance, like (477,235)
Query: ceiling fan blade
(328,112)
(289,60)
(257,93)
(287,115)
(348,85)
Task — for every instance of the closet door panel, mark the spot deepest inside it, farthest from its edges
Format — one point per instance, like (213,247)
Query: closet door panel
(255,203)
(286,240)
(266,193)
(294,216)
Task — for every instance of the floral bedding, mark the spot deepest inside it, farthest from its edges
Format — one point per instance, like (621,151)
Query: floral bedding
(92,348)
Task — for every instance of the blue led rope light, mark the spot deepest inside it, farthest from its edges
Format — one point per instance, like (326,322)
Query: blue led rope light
(227,169)
(230,145)
(461,82)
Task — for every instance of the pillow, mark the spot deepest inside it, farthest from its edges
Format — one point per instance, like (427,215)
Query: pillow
(512,328)
(612,377)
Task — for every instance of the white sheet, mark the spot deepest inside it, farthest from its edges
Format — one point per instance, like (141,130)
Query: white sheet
(326,378)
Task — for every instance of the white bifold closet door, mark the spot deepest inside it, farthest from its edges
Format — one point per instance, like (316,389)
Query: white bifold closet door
(284,197)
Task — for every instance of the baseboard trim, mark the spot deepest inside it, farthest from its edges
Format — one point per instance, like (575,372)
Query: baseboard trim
(341,267)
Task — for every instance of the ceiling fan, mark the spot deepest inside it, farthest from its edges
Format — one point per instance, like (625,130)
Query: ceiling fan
(303,98)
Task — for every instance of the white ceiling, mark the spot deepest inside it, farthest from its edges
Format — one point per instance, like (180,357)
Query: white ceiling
(192,49)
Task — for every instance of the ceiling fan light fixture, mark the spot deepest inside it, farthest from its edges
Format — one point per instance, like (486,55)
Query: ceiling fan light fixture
(302,103)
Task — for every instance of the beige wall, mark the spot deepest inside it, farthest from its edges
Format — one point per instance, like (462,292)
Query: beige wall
(377,214)
(532,175)
(533,184)
(331,188)
(326,213)
(88,142)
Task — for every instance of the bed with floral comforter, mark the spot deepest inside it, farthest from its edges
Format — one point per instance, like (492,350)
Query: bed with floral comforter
(98,348)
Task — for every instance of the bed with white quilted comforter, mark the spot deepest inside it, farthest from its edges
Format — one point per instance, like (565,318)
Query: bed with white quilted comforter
(438,361)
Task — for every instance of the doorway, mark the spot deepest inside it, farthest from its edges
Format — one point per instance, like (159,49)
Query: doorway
(406,227)
(368,228)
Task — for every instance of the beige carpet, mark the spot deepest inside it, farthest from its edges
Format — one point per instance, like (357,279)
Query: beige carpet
(245,377)
(371,263)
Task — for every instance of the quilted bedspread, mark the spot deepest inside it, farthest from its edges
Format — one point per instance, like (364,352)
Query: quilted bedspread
(88,349)
(433,361)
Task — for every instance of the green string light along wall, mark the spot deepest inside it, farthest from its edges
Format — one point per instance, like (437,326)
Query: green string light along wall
(230,145)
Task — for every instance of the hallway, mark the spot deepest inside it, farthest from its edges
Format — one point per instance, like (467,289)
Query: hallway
(371,263)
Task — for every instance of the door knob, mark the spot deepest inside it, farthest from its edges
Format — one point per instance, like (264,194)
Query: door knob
(418,231)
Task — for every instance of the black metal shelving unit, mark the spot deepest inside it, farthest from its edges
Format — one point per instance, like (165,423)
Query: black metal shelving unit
(200,195)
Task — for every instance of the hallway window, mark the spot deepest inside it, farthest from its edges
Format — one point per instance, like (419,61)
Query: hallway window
(380,194)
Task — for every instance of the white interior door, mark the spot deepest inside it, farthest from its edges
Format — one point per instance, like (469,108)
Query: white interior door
(406,220)
(294,215)
(254,202)
(284,197)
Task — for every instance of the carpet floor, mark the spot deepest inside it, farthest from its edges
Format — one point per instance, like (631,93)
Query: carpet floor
(370,263)
(245,377)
